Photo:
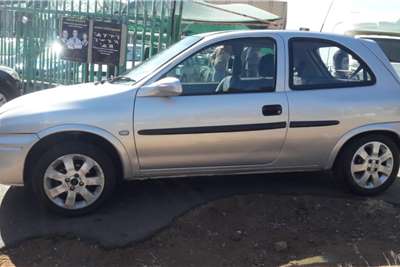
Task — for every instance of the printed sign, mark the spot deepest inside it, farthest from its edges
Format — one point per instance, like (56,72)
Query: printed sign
(21,18)
(74,39)
(106,43)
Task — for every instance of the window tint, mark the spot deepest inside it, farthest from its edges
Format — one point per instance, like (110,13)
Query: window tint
(236,66)
(318,64)
(391,47)
(149,65)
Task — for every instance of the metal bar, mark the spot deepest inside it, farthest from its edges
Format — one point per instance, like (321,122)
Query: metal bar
(144,56)
(135,34)
(177,27)
(161,35)
(151,25)
(152,19)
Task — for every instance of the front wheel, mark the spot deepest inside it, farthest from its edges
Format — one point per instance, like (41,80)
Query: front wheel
(369,164)
(73,178)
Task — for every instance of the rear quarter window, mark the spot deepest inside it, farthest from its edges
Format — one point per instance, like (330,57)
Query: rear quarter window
(322,64)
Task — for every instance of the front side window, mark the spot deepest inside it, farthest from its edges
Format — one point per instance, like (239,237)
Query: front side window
(319,64)
(235,66)
(150,65)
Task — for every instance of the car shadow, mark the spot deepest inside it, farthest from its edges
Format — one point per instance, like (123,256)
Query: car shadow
(141,208)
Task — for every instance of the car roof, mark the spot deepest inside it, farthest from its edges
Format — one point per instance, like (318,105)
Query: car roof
(386,37)
(283,33)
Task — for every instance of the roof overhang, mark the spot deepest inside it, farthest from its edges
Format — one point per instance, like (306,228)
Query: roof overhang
(199,11)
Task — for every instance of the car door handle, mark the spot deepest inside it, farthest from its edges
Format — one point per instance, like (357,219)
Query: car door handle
(272,110)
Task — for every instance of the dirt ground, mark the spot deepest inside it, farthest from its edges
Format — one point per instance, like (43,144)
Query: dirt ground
(250,230)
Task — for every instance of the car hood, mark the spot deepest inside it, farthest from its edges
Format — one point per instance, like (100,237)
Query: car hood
(61,96)
(62,105)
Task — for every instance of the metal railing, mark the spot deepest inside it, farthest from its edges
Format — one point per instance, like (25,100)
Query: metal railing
(30,29)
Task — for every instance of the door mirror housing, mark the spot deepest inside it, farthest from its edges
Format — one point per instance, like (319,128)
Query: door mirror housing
(169,86)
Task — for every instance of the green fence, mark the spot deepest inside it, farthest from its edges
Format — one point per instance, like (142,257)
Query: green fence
(30,29)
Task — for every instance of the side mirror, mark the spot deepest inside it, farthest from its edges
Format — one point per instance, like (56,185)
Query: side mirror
(169,86)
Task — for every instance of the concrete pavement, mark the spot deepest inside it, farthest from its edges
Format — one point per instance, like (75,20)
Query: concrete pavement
(141,208)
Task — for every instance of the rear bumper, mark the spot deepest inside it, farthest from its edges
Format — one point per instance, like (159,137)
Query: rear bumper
(13,151)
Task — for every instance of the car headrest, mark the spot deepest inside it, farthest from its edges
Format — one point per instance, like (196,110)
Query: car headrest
(266,66)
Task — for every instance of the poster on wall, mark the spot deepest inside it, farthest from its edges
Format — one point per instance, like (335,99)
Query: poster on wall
(106,43)
(22,18)
(74,38)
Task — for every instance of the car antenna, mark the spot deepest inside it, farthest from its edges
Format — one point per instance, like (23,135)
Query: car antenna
(327,14)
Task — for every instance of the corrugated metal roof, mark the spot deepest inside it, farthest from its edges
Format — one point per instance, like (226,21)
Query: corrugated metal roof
(200,11)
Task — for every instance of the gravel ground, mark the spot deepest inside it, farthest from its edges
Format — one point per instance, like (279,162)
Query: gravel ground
(248,230)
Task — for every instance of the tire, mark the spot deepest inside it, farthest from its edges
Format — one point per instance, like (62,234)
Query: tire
(86,162)
(369,174)
(9,88)
(6,95)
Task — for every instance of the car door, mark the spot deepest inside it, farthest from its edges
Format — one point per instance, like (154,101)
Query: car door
(228,115)
(331,91)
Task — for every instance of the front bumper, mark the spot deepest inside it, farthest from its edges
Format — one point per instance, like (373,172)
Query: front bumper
(13,151)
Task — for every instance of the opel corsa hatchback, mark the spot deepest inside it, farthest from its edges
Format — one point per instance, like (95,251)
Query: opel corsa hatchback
(219,103)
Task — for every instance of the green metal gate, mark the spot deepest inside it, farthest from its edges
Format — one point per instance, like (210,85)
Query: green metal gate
(29,31)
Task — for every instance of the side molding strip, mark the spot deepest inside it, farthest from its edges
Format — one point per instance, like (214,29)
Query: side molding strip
(215,129)
(301,124)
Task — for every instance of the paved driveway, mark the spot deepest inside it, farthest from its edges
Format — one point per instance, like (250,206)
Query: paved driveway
(139,209)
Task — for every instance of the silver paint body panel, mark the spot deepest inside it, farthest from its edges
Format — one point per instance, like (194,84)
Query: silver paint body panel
(208,149)
(108,109)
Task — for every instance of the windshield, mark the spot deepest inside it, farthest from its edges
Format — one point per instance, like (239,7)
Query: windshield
(158,60)
(363,15)
(396,67)
(391,47)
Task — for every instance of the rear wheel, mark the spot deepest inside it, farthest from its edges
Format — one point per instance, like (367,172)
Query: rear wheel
(73,178)
(369,164)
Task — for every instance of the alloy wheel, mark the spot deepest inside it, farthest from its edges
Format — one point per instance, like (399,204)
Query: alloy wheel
(372,165)
(73,181)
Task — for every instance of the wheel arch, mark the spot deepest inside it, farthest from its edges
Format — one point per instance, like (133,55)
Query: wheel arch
(391,129)
(97,136)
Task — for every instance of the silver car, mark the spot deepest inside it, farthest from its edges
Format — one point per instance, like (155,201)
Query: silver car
(219,103)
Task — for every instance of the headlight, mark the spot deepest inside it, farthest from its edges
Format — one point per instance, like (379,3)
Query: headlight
(10,72)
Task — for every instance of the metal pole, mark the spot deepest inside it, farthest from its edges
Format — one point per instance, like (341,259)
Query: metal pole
(326,16)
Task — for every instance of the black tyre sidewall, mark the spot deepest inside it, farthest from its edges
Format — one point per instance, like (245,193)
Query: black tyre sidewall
(9,91)
(59,150)
(9,96)
(347,158)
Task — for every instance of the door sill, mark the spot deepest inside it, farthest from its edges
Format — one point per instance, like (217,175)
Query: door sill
(220,170)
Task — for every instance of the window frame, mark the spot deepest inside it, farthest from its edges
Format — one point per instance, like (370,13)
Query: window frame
(236,39)
(348,84)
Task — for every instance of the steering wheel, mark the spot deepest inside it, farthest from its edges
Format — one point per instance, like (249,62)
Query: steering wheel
(356,72)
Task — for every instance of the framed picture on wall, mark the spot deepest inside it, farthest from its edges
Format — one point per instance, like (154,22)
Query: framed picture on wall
(74,38)
(108,43)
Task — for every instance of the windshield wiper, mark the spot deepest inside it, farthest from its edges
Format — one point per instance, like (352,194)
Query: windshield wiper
(121,79)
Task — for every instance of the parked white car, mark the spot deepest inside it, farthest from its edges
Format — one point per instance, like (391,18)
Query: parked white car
(390,45)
